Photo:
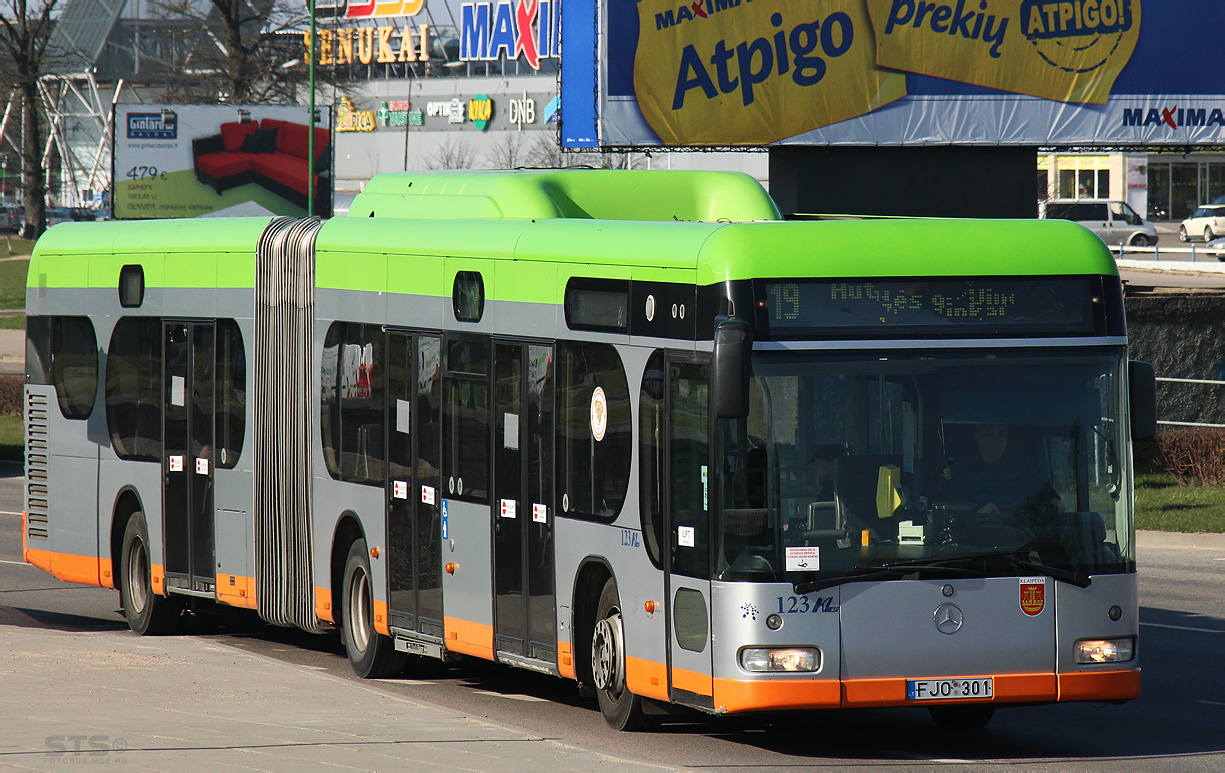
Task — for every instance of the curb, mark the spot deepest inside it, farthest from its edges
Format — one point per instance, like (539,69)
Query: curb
(1170,539)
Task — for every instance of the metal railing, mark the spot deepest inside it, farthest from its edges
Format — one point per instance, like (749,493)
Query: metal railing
(1203,251)
(1189,381)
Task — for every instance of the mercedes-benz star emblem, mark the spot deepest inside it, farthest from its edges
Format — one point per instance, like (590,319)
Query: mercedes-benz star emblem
(948,618)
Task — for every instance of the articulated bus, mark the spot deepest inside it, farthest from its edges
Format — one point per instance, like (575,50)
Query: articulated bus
(631,429)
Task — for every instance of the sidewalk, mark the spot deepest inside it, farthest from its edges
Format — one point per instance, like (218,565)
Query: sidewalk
(179,703)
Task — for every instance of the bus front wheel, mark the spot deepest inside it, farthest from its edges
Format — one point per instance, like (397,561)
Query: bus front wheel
(621,708)
(148,613)
(372,654)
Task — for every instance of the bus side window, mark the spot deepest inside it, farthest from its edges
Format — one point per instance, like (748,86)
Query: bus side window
(352,406)
(689,479)
(231,377)
(66,357)
(467,415)
(595,436)
(134,388)
(651,470)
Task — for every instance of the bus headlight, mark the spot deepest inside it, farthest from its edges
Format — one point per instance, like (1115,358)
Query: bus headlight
(1105,650)
(780,659)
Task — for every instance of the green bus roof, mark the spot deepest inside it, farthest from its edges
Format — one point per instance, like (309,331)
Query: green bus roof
(594,194)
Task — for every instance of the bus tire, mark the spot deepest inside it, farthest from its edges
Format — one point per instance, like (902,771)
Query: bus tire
(622,709)
(371,654)
(969,717)
(148,613)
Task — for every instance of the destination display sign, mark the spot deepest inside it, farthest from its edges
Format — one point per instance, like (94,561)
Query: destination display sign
(801,308)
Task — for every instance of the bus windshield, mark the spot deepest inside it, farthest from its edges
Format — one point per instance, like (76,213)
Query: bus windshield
(923,464)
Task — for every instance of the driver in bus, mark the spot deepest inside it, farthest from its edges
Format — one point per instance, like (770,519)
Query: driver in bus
(996,481)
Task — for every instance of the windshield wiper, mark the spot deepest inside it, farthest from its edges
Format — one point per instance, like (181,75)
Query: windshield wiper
(1017,558)
(883,572)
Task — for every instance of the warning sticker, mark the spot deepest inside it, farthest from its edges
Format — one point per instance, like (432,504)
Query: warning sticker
(802,558)
(599,414)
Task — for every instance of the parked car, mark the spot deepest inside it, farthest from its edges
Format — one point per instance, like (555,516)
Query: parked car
(1113,221)
(10,217)
(1207,221)
(57,215)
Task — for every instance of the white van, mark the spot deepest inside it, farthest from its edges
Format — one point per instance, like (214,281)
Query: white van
(1114,221)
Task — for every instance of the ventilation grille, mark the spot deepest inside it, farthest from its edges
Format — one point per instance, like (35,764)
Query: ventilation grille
(284,342)
(36,465)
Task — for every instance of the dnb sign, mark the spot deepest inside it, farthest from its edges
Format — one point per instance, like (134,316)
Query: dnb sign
(528,28)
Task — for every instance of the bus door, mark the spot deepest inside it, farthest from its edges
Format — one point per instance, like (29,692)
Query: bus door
(465,496)
(414,569)
(524,600)
(187,454)
(689,534)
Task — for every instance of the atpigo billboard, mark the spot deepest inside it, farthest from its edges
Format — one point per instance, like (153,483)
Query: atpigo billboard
(870,72)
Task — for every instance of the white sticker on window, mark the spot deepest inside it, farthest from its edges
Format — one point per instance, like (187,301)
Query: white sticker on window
(176,464)
(508,508)
(178,391)
(510,437)
(685,536)
(202,467)
(399,489)
(427,495)
(404,416)
(705,488)
(599,414)
(803,559)
(540,513)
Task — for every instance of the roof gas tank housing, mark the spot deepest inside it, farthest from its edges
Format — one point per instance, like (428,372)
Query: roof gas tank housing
(595,194)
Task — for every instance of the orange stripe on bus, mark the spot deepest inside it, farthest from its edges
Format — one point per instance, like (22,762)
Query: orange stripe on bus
(157,574)
(565,659)
(381,625)
(892,692)
(692,681)
(65,566)
(468,638)
(756,695)
(646,678)
(1100,685)
(323,604)
(236,591)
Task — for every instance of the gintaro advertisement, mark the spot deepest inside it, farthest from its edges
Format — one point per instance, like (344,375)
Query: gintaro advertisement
(754,72)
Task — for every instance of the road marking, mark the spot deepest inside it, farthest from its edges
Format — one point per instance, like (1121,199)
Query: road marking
(529,698)
(1183,628)
(15,563)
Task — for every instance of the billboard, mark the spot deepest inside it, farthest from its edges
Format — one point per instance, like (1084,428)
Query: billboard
(715,73)
(199,160)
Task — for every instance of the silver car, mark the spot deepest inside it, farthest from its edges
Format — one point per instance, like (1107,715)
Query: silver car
(1114,221)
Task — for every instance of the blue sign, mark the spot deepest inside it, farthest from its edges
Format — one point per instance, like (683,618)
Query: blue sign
(151,126)
(445,531)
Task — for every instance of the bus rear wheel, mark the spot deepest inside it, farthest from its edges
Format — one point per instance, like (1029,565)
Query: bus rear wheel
(622,709)
(371,654)
(148,613)
(969,717)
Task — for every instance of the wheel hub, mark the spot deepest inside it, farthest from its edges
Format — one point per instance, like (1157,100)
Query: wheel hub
(608,655)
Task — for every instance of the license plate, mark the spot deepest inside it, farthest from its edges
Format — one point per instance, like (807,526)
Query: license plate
(947,689)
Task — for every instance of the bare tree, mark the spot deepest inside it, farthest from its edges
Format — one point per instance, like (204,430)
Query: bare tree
(26,31)
(238,51)
(453,153)
(507,152)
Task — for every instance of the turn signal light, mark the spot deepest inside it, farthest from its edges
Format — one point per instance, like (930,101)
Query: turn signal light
(650,607)
(1105,650)
(780,659)
(451,568)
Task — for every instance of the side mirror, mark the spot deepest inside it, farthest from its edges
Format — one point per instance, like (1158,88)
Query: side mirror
(1142,386)
(730,368)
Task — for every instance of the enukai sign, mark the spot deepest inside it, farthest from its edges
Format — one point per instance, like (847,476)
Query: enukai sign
(527,28)
(367,45)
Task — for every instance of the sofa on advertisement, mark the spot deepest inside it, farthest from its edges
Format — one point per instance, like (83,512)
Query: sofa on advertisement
(270,153)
